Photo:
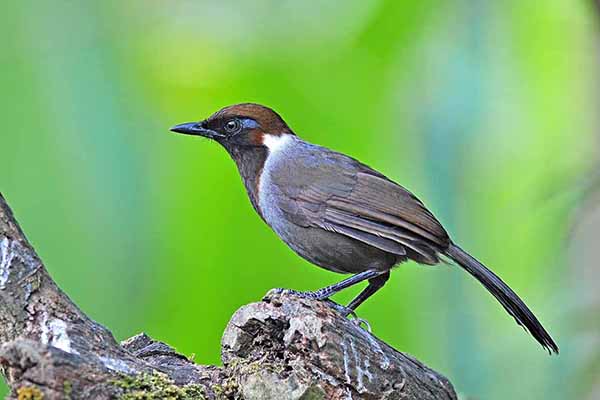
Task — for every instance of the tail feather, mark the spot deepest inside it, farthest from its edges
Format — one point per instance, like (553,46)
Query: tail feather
(504,294)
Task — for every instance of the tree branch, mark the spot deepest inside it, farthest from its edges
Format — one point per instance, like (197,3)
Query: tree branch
(284,347)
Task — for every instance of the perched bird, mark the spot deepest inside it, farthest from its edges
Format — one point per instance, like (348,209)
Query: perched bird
(339,213)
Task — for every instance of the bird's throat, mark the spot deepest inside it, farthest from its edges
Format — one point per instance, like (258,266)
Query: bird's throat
(250,162)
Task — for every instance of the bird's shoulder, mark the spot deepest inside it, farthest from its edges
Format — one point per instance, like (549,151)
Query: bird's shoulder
(306,164)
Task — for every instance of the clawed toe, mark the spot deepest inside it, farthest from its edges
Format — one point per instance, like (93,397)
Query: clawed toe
(361,323)
(340,309)
(348,312)
(283,291)
(279,291)
(274,292)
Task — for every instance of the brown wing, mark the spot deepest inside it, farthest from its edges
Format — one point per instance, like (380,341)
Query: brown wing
(350,198)
(381,207)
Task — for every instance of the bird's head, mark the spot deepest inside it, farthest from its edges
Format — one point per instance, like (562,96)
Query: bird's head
(239,125)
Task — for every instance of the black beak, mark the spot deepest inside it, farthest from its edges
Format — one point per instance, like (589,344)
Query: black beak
(196,128)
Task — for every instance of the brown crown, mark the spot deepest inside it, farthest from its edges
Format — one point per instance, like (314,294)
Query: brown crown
(269,120)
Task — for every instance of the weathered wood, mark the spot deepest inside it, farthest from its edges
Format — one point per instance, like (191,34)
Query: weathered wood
(284,347)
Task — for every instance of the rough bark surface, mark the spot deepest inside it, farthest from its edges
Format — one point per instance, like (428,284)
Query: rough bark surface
(284,347)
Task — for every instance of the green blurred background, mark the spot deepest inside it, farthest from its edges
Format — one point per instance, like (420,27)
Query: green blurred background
(486,110)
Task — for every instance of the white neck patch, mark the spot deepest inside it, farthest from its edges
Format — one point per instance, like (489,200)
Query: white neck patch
(275,143)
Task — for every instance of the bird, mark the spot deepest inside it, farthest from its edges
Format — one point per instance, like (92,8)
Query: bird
(340,214)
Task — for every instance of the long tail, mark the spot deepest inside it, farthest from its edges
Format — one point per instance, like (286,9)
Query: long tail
(505,295)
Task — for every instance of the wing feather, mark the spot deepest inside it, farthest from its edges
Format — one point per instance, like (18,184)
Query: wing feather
(381,243)
(371,213)
(406,239)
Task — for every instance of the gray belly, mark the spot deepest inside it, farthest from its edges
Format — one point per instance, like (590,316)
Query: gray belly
(335,252)
(326,249)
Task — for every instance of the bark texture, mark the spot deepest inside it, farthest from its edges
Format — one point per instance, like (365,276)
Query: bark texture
(284,347)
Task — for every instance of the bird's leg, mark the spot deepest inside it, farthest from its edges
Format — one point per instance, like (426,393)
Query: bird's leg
(374,285)
(376,281)
(329,291)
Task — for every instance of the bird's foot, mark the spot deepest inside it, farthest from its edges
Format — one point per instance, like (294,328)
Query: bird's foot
(282,291)
(340,309)
(348,312)
(362,323)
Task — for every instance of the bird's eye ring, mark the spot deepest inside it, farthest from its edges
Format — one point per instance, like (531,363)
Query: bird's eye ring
(233,126)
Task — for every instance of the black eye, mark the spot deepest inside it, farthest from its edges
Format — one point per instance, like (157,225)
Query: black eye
(233,126)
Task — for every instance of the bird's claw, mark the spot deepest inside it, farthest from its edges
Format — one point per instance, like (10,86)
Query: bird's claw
(283,291)
(276,291)
(340,309)
(362,323)
(348,312)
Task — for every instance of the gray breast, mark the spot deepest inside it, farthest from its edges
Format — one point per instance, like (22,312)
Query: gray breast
(271,199)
